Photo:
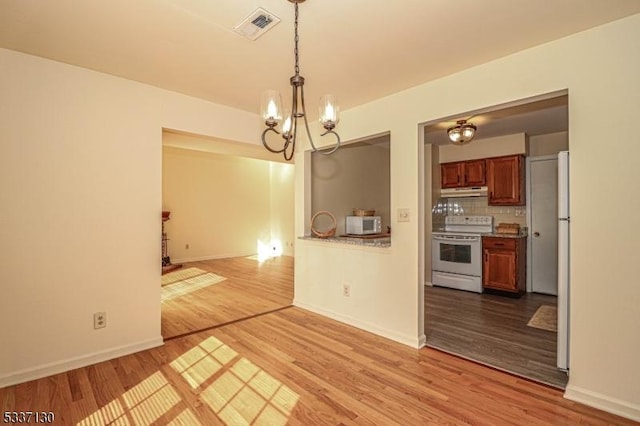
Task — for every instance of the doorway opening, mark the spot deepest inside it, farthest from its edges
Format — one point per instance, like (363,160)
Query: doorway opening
(230,230)
(515,331)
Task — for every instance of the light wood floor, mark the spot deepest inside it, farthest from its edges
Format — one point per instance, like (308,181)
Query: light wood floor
(250,288)
(493,330)
(297,367)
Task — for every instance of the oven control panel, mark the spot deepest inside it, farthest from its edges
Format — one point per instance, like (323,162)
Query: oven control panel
(468,220)
(482,224)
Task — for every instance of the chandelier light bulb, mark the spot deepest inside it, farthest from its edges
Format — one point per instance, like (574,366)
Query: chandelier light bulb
(329,110)
(271,107)
(286,126)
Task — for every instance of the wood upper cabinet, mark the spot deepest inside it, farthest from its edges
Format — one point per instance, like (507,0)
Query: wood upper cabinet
(474,172)
(462,174)
(505,180)
(504,264)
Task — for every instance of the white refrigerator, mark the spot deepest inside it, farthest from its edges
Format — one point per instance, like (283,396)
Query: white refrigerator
(563,260)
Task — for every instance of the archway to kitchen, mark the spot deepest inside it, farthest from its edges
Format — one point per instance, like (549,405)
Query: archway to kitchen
(227,233)
(464,313)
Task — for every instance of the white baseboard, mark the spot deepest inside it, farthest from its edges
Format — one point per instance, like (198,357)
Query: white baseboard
(414,342)
(77,362)
(211,257)
(422,341)
(603,402)
(428,283)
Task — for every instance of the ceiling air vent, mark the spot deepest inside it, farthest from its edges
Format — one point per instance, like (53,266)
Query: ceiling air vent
(256,24)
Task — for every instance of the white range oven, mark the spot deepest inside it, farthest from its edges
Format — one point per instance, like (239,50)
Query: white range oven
(457,252)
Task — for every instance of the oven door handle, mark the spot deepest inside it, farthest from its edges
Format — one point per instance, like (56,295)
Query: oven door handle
(456,239)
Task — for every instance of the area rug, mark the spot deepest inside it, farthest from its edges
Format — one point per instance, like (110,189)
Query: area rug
(183,287)
(545,318)
(180,275)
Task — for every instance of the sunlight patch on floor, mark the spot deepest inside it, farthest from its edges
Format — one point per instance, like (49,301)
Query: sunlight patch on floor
(234,388)
(141,405)
(184,287)
(246,394)
(180,274)
(185,418)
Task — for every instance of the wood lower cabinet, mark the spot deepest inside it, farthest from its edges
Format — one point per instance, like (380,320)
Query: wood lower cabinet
(505,180)
(504,264)
(463,174)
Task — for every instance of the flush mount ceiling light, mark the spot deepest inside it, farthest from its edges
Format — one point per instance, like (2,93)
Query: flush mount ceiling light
(462,132)
(271,110)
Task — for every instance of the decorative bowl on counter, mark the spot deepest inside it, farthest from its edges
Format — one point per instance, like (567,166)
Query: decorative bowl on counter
(362,212)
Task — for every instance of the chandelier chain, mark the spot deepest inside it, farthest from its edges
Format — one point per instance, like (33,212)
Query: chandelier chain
(296,39)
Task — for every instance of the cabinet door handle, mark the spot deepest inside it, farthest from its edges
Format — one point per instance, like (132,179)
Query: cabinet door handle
(498,244)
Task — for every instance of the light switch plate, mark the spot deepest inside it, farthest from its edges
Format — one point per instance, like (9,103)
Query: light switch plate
(403,215)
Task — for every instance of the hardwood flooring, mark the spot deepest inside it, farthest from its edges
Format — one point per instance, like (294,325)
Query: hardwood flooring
(250,288)
(298,368)
(493,330)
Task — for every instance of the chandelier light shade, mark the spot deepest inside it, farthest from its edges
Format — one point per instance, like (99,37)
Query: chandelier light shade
(271,107)
(273,114)
(462,132)
(329,111)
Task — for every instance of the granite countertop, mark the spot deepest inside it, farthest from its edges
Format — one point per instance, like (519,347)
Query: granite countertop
(522,234)
(369,242)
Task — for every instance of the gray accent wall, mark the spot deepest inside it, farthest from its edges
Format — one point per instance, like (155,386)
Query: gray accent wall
(355,176)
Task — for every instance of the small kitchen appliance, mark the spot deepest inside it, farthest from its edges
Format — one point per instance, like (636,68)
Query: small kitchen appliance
(363,225)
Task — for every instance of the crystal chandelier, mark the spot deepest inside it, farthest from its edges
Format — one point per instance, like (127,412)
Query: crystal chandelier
(271,110)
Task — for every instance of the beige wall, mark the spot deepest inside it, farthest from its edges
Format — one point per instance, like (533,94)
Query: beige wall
(485,148)
(356,176)
(80,177)
(221,205)
(549,144)
(431,179)
(218,146)
(605,343)
(282,206)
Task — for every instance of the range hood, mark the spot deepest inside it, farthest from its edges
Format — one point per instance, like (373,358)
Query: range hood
(473,191)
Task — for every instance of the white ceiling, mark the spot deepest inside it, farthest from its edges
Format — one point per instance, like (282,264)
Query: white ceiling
(547,114)
(358,50)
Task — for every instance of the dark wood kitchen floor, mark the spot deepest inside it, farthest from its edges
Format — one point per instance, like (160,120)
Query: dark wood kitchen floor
(493,330)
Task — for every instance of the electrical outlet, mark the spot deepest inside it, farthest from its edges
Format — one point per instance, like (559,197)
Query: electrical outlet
(99,320)
(346,289)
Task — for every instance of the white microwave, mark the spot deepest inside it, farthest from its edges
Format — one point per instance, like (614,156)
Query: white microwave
(363,225)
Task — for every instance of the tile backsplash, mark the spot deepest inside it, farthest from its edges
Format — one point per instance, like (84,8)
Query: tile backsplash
(477,206)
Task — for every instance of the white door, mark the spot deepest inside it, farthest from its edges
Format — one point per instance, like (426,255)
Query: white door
(543,231)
